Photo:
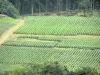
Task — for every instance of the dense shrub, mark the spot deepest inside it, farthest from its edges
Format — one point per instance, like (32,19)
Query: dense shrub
(87,71)
(7,8)
(18,71)
(12,12)
(50,69)
(3,6)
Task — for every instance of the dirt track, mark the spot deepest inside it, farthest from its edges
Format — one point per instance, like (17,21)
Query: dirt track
(10,31)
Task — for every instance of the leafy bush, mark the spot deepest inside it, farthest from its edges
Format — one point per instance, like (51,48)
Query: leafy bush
(7,8)
(12,12)
(87,71)
(19,71)
(50,69)
(3,6)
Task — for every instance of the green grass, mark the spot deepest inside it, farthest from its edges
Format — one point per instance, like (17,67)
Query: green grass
(6,23)
(73,58)
(4,26)
(61,25)
(8,67)
(8,19)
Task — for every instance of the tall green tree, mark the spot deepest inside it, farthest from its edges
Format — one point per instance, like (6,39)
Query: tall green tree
(85,5)
(7,8)
(38,6)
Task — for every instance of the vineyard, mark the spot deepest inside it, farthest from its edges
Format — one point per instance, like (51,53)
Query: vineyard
(71,57)
(71,41)
(61,25)
(37,41)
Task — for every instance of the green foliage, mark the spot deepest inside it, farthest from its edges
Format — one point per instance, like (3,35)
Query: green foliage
(87,71)
(35,69)
(66,42)
(35,49)
(8,9)
(12,11)
(60,25)
(50,69)
(61,42)
(43,69)
(8,19)
(74,58)
(84,43)
(19,72)
(29,43)
(85,4)
(3,6)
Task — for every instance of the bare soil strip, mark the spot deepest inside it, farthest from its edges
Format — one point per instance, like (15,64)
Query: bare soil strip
(10,31)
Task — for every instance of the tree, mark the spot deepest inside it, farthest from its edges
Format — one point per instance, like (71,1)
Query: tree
(85,5)
(3,6)
(38,6)
(8,9)
(32,7)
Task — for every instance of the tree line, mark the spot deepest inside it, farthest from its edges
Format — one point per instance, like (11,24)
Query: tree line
(51,68)
(8,8)
(15,7)
(38,6)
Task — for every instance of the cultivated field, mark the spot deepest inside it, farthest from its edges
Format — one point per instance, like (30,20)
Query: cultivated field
(28,47)
(51,42)
(61,25)
(73,58)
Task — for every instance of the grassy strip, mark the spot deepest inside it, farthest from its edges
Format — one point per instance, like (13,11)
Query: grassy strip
(8,19)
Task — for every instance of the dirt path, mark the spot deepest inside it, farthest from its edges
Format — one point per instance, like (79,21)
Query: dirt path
(10,31)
